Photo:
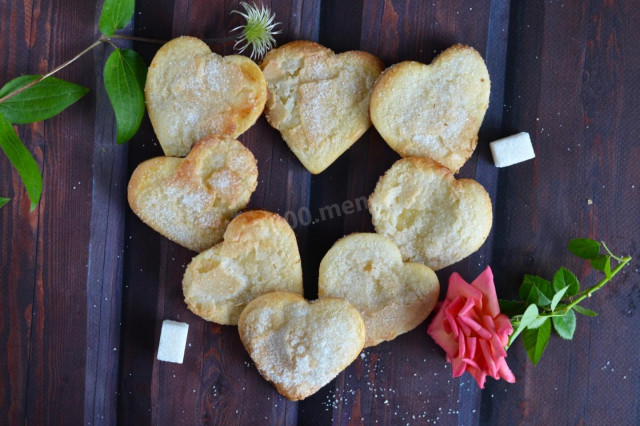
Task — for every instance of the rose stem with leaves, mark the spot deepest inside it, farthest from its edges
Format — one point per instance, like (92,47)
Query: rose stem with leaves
(545,301)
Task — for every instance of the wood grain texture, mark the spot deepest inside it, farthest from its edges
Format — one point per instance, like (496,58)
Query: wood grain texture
(44,253)
(574,99)
(19,230)
(86,284)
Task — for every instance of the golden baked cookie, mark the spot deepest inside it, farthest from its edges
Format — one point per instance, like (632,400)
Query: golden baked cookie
(432,217)
(259,254)
(300,346)
(367,270)
(191,200)
(319,101)
(192,92)
(435,110)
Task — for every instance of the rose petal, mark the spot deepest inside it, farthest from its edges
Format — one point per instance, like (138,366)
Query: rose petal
(459,287)
(505,372)
(471,363)
(479,375)
(462,347)
(471,329)
(497,346)
(488,323)
(451,322)
(467,309)
(437,332)
(466,330)
(458,367)
(488,358)
(476,327)
(504,328)
(472,344)
(484,283)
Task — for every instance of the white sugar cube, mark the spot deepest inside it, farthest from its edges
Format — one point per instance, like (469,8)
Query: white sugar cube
(173,339)
(512,150)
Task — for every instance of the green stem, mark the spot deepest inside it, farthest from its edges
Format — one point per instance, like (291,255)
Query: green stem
(50,73)
(588,292)
(598,286)
(583,295)
(611,254)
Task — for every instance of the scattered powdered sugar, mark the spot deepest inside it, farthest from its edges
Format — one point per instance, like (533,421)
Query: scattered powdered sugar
(423,398)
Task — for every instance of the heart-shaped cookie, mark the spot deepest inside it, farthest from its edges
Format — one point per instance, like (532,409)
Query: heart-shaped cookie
(367,270)
(435,110)
(432,217)
(191,200)
(300,346)
(192,92)
(319,100)
(259,254)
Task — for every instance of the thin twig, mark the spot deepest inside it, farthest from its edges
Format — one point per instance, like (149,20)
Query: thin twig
(219,40)
(134,38)
(50,73)
(108,40)
(153,40)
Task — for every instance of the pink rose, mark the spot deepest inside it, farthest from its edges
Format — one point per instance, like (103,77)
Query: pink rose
(471,329)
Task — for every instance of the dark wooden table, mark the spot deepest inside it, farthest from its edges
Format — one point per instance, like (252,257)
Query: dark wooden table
(85,285)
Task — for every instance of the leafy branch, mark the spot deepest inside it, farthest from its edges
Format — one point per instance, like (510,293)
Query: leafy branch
(545,303)
(32,98)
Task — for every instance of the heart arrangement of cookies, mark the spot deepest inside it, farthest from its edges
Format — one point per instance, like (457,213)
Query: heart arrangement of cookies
(372,286)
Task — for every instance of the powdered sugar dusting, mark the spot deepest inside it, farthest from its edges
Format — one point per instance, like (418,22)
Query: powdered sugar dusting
(191,201)
(302,347)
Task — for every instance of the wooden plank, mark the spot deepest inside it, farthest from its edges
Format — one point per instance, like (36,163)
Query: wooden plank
(56,357)
(571,82)
(144,270)
(495,55)
(19,230)
(106,255)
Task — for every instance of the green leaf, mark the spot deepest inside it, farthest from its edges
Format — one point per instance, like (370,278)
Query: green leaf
(536,290)
(124,77)
(602,263)
(43,100)
(543,300)
(22,160)
(565,325)
(530,315)
(537,322)
(558,297)
(607,267)
(565,278)
(511,308)
(584,311)
(535,341)
(599,262)
(4,201)
(585,248)
(115,15)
